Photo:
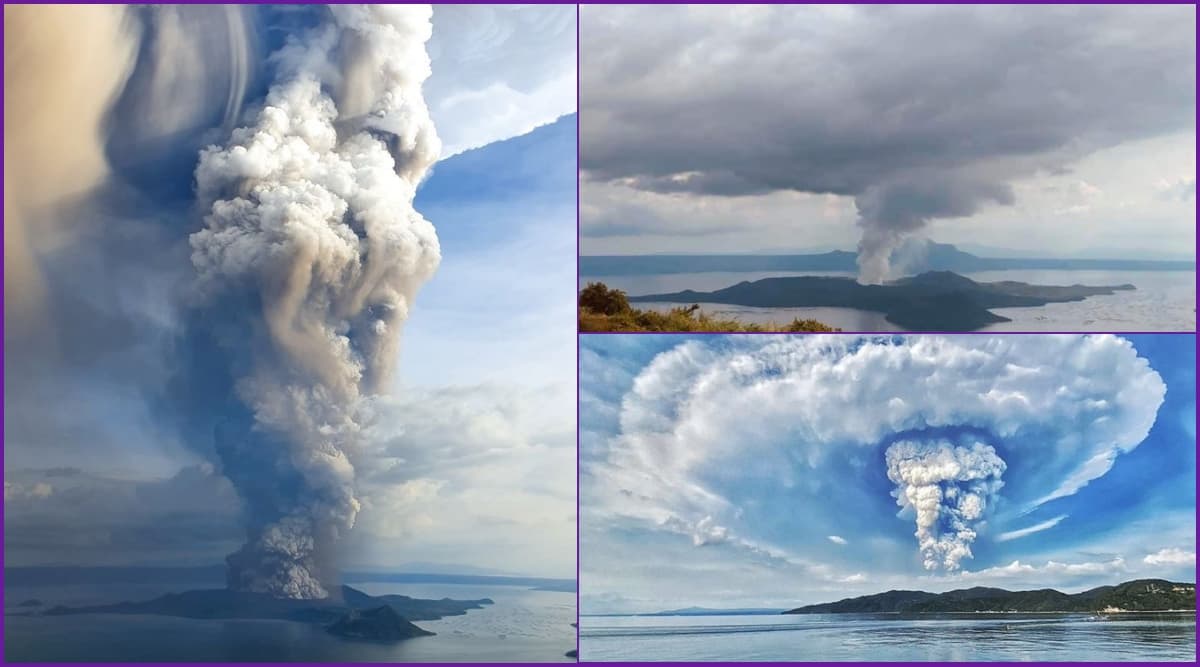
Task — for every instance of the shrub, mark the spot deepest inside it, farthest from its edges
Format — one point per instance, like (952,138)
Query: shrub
(604,309)
(598,298)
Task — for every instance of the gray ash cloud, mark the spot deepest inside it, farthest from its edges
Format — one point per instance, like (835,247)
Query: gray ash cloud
(919,113)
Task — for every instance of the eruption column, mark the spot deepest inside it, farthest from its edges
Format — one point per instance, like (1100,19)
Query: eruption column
(949,487)
(309,260)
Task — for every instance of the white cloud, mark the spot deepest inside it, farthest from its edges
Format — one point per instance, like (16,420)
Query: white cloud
(1171,556)
(499,71)
(1180,189)
(1057,410)
(836,539)
(1019,569)
(480,475)
(400,510)
(33,491)
(707,532)
(1036,528)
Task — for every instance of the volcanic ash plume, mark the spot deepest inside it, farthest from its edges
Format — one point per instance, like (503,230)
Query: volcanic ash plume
(312,253)
(949,487)
(891,213)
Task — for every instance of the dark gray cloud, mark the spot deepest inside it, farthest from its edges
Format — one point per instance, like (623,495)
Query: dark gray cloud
(918,112)
(69,517)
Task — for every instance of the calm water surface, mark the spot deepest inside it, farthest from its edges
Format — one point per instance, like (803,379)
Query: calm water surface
(888,637)
(523,626)
(1163,300)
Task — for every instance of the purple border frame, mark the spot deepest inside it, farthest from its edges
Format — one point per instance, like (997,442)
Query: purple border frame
(575,318)
(579,367)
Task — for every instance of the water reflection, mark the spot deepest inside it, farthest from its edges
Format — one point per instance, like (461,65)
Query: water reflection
(889,637)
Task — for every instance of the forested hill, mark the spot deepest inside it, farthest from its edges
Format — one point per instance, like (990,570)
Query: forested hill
(1139,595)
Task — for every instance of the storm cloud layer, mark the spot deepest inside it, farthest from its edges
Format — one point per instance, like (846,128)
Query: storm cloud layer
(957,428)
(918,113)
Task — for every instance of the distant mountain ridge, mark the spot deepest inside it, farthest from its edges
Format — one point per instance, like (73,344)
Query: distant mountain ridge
(1137,595)
(708,611)
(914,258)
(215,575)
(932,301)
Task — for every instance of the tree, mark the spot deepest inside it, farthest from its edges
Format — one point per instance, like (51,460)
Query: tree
(598,298)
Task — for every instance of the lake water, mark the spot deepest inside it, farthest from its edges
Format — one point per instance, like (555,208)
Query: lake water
(1163,300)
(523,626)
(889,637)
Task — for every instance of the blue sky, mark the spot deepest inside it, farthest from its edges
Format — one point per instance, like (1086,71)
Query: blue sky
(762,467)
(505,289)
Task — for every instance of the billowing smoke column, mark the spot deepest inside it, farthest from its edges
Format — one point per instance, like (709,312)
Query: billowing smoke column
(310,225)
(890,213)
(949,488)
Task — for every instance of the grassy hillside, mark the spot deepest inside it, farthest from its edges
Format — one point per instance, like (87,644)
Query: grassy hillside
(604,309)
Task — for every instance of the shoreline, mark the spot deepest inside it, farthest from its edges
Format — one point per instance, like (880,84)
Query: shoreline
(900,613)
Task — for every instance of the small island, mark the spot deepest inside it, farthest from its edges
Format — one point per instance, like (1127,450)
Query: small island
(931,301)
(378,624)
(1138,595)
(350,613)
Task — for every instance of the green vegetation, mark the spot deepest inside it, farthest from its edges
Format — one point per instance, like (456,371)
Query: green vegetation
(604,309)
(1139,595)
